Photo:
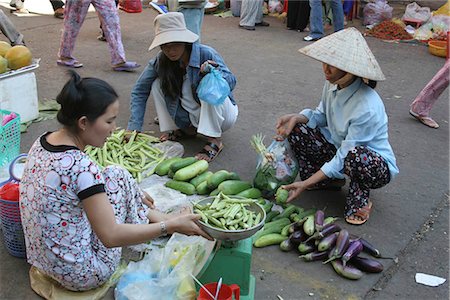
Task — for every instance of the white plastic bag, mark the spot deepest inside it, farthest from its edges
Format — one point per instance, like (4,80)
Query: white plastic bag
(414,11)
(376,12)
(275,6)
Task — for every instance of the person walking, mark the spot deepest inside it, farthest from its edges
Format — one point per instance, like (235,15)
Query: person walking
(316,20)
(297,15)
(252,14)
(75,13)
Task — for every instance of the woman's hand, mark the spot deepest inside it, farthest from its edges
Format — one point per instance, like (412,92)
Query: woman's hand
(286,124)
(295,189)
(186,224)
(204,67)
(147,200)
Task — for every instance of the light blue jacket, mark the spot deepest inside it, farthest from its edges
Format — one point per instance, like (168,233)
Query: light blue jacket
(353,116)
(141,90)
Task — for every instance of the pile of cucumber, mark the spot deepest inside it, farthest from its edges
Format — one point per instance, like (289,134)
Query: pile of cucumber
(319,239)
(191,176)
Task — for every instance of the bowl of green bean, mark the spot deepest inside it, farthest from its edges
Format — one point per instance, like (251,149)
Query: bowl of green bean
(230,218)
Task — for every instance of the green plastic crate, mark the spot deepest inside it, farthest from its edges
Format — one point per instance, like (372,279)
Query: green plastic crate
(9,139)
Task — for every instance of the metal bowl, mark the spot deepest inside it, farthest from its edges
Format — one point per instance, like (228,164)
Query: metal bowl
(233,235)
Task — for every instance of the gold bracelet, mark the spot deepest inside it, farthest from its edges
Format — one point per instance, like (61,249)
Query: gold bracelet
(163,228)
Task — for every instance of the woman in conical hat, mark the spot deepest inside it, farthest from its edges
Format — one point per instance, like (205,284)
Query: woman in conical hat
(347,134)
(172,78)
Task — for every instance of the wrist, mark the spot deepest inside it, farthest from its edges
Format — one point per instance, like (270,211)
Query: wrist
(170,227)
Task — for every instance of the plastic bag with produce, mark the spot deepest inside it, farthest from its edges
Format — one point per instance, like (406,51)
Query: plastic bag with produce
(276,165)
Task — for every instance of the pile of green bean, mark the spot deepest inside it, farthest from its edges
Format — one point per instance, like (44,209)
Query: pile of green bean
(129,150)
(228,213)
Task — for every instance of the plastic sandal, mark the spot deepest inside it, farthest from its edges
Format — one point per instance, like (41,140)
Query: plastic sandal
(424,120)
(361,216)
(71,63)
(210,154)
(127,67)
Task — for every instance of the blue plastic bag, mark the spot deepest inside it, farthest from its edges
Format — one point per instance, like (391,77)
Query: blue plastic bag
(213,88)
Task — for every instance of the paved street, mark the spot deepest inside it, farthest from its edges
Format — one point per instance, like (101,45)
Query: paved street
(410,219)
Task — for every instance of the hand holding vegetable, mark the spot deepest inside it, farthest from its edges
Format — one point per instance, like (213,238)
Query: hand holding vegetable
(295,189)
(286,124)
(206,66)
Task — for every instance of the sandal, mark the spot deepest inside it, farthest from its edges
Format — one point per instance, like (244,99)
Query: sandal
(59,13)
(71,63)
(211,153)
(361,216)
(424,120)
(127,66)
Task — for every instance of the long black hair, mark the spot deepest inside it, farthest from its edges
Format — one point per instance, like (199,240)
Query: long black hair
(80,97)
(171,74)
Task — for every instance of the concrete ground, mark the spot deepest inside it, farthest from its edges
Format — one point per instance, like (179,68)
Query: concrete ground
(410,219)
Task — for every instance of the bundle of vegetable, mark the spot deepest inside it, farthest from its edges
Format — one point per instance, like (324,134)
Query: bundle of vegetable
(132,152)
(319,239)
(228,213)
(276,165)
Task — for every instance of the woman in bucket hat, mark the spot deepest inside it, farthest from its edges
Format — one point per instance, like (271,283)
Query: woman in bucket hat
(172,78)
(347,134)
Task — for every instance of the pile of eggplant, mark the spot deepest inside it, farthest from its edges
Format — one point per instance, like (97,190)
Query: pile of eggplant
(317,240)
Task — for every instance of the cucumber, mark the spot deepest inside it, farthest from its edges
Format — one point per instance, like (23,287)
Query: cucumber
(217,178)
(214,192)
(202,188)
(200,178)
(234,176)
(164,167)
(181,186)
(192,170)
(281,195)
(252,193)
(233,187)
(267,207)
(272,227)
(286,212)
(269,239)
(270,215)
(184,162)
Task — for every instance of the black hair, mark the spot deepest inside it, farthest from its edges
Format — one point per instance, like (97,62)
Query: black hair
(171,75)
(80,97)
(371,83)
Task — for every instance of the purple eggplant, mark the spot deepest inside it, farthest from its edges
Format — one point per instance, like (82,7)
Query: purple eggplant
(354,248)
(370,249)
(327,242)
(297,237)
(286,245)
(305,248)
(347,271)
(319,216)
(365,264)
(341,245)
(314,256)
(295,227)
(326,231)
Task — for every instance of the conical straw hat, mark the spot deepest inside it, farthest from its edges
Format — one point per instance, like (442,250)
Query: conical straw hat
(346,50)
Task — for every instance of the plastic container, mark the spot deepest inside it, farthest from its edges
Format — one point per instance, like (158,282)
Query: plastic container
(226,291)
(9,139)
(18,92)
(438,48)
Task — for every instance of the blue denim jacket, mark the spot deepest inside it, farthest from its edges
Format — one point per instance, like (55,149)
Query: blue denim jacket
(141,90)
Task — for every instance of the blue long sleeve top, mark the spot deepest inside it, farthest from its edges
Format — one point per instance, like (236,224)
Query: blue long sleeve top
(350,117)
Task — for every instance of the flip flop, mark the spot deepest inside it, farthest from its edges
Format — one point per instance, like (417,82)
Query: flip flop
(424,120)
(71,63)
(363,214)
(210,154)
(127,67)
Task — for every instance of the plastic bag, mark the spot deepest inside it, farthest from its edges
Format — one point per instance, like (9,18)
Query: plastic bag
(164,273)
(436,28)
(213,88)
(276,166)
(414,11)
(376,12)
(275,6)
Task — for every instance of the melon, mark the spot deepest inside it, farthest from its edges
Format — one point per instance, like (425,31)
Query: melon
(4,46)
(3,65)
(18,57)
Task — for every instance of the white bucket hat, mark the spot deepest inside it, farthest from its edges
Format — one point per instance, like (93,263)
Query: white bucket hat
(170,28)
(348,51)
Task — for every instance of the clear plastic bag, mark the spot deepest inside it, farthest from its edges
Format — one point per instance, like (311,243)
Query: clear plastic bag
(165,273)
(276,166)
(376,12)
(414,11)
(213,88)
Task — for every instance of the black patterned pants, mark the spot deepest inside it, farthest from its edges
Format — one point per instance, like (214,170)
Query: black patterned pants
(366,169)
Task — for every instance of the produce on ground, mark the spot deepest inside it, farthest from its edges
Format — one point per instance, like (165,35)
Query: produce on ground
(228,213)
(134,153)
(18,56)
(389,30)
(319,239)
